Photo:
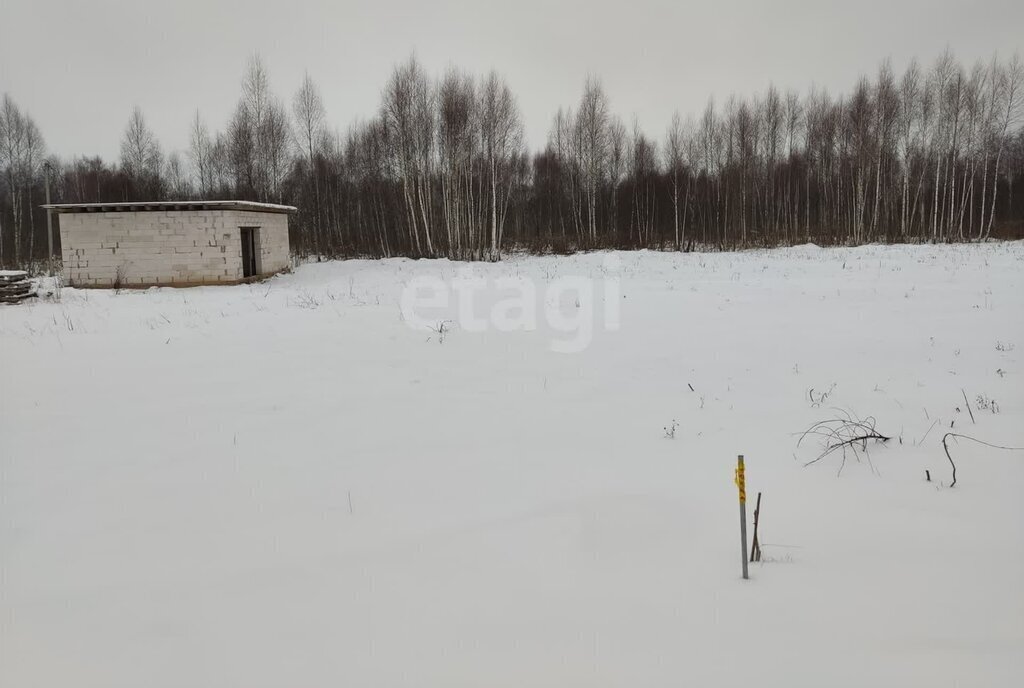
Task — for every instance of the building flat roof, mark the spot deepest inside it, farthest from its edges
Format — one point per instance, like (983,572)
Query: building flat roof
(145,206)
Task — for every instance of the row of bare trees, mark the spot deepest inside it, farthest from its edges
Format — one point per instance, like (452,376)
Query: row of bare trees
(922,156)
(437,171)
(254,156)
(935,153)
(22,157)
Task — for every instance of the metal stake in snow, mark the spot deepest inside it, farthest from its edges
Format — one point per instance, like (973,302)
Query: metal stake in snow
(741,483)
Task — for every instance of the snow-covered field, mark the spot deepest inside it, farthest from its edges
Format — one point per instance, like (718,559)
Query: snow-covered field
(286,484)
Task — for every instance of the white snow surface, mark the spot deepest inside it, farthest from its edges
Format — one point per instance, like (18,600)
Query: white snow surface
(283,484)
(129,205)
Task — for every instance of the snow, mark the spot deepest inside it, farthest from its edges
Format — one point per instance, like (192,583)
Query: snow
(286,484)
(174,205)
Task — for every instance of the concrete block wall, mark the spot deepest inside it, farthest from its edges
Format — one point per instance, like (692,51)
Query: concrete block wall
(167,247)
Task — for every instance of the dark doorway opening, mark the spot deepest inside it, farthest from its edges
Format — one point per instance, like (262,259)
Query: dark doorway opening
(249,246)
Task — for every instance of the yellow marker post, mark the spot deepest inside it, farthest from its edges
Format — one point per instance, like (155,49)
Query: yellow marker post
(741,483)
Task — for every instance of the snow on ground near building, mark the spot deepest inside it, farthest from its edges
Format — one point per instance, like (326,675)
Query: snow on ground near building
(285,484)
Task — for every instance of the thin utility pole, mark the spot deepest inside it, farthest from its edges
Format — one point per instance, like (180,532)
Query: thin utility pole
(49,218)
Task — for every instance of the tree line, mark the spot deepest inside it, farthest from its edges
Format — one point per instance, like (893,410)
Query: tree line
(933,154)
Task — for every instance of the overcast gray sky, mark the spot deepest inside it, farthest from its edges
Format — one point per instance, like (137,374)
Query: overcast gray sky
(78,66)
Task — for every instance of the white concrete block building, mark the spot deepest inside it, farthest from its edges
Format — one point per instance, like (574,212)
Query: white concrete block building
(184,243)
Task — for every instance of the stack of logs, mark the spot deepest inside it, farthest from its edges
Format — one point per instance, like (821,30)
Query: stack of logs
(15,286)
